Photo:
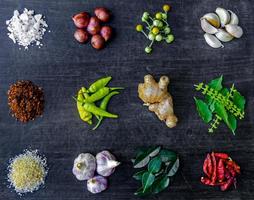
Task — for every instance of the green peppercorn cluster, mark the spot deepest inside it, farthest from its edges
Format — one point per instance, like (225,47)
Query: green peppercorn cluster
(157,26)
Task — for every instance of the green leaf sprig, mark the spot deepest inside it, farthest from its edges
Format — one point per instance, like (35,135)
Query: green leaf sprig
(158,168)
(220,104)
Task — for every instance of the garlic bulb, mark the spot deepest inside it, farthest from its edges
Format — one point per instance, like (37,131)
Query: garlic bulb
(207,27)
(106,163)
(84,166)
(224,36)
(212,41)
(234,30)
(223,15)
(97,184)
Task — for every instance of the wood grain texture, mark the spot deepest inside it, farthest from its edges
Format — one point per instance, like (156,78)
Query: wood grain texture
(62,66)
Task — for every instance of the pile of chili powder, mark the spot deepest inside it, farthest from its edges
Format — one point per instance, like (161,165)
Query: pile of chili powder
(26,100)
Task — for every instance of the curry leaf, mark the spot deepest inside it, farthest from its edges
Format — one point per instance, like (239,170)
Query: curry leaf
(154,151)
(141,193)
(147,180)
(160,184)
(203,110)
(143,157)
(155,165)
(167,155)
(141,161)
(174,168)
(138,175)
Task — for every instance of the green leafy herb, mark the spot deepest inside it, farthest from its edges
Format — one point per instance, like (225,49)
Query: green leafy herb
(138,175)
(174,168)
(220,104)
(143,156)
(157,172)
(167,155)
(160,184)
(155,165)
(147,180)
(203,110)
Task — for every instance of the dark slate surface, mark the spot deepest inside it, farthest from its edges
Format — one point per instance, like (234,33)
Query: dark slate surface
(62,66)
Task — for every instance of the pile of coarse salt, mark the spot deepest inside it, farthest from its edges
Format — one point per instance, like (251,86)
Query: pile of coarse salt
(26,28)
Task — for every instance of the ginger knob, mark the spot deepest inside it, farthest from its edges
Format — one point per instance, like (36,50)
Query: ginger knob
(158,99)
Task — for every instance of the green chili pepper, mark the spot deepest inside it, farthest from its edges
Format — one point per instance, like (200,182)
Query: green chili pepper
(98,95)
(99,84)
(84,115)
(103,106)
(116,88)
(98,111)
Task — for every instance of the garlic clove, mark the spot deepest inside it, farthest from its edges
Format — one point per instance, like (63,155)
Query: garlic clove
(233,18)
(223,15)
(106,163)
(207,27)
(213,19)
(234,30)
(84,166)
(223,36)
(97,184)
(212,41)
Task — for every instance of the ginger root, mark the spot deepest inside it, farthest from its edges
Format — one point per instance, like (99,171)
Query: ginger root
(157,98)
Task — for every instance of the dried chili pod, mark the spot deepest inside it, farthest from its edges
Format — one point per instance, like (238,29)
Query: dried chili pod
(227,173)
(221,155)
(232,171)
(205,166)
(207,181)
(210,165)
(234,165)
(214,175)
(221,170)
(227,184)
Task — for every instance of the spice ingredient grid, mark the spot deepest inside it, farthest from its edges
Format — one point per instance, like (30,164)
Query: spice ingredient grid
(156,165)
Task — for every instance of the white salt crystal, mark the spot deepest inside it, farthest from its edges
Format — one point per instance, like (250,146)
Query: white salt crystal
(26,28)
(37,17)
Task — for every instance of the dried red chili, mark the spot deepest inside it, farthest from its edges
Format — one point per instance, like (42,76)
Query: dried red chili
(227,185)
(207,181)
(26,100)
(221,155)
(205,166)
(232,171)
(234,165)
(220,170)
(214,175)
(209,165)
(227,173)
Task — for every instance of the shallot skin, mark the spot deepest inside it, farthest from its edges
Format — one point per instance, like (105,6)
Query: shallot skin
(106,32)
(81,20)
(94,26)
(97,42)
(81,35)
(103,14)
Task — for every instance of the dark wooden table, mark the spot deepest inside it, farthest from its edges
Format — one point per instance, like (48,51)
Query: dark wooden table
(62,66)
